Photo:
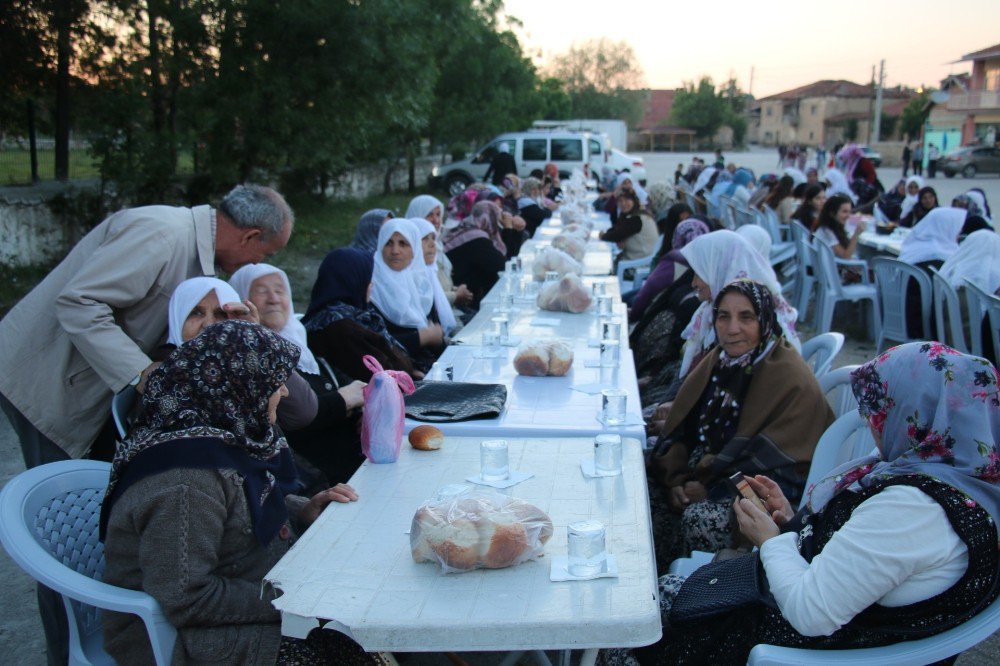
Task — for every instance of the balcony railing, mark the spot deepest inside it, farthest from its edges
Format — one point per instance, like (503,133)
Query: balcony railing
(975,100)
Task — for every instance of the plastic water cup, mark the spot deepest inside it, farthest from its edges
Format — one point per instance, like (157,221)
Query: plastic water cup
(507,301)
(610,353)
(586,548)
(502,325)
(598,289)
(613,405)
(604,305)
(491,344)
(611,330)
(518,265)
(608,454)
(494,463)
(551,276)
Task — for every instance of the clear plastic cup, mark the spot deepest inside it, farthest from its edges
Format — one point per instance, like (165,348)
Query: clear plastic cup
(587,551)
(494,463)
(608,454)
(491,344)
(613,403)
(611,330)
(597,289)
(502,328)
(610,353)
(605,304)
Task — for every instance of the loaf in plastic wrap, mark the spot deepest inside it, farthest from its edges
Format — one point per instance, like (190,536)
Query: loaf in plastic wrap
(569,294)
(552,358)
(551,259)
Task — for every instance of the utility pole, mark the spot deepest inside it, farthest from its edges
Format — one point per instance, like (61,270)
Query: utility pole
(750,92)
(877,120)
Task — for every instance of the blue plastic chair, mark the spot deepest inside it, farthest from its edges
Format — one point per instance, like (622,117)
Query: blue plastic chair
(946,303)
(805,282)
(49,526)
(836,386)
(820,350)
(892,277)
(982,304)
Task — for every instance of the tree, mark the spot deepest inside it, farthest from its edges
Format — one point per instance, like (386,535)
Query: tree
(699,108)
(602,80)
(911,121)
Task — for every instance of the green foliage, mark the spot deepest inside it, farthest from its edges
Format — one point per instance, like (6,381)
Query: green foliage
(914,115)
(602,80)
(887,127)
(704,110)
(851,130)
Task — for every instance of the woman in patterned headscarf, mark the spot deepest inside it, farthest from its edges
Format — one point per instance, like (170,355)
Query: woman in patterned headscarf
(752,405)
(199,501)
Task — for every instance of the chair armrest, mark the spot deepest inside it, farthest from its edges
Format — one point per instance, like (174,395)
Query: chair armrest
(632,263)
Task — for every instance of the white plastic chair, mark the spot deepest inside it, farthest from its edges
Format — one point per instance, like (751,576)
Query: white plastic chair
(781,250)
(742,217)
(836,386)
(831,291)
(946,302)
(892,278)
(122,405)
(48,524)
(805,281)
(980,305)
(640,270)
(820,350)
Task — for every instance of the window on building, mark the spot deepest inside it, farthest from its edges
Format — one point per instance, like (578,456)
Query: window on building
(810,136)
(812,110)
(768,110)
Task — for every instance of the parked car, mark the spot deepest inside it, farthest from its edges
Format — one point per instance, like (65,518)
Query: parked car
(873,155)
(970,161)
(531,150)
(618,161)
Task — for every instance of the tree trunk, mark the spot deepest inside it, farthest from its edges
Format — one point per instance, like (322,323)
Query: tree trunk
(63,17)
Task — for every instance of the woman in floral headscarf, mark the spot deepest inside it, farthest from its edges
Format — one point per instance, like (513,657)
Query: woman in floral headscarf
(894,546)
(752,405)
(199,502)
(476,250)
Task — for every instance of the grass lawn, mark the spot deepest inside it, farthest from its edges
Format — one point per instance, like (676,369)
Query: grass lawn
(15,165)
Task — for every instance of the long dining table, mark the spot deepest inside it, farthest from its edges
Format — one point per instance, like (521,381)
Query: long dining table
(353,571)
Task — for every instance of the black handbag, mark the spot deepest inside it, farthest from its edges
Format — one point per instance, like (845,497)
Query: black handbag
(446,402)
(721,587)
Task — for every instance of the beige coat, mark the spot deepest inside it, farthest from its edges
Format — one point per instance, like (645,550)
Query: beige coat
(642,244)
(86,330)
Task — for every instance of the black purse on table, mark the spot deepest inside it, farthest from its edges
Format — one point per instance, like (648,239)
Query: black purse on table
(448,402)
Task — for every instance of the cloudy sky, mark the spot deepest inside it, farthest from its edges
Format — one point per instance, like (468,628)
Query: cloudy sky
(788,43)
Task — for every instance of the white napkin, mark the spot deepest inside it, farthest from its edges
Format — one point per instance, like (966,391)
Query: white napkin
(512,480)
(544,321)
(630,420)
(560,571)
(589,471)
(511,342)
(480,352)
(592,388)
(596,363)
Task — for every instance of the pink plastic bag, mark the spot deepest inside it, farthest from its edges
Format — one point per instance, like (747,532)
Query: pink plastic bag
(382,423)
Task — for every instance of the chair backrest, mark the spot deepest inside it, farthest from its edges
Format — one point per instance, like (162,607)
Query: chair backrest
(742,216)
(820,350)
(848,438)
(892,277)
(946,302)
(836,386)
(772,223)
(122,407)
(982,304)
(802,239)
(825,267)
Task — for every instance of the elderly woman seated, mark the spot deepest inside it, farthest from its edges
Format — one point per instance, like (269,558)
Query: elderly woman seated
(428,208)
(201,503)
(330,440)
(898,545)
(476,250)
(751,405)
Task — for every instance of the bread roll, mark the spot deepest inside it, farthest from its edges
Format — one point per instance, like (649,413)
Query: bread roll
(560,358)
(532,360)
(485,531)
(426,438)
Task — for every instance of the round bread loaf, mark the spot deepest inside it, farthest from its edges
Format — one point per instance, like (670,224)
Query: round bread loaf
(532,361)
(426,438)
(560,358)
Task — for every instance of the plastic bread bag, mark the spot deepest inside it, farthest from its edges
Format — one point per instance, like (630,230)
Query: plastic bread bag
(382,421)
(551,259)
(549,358)
(571,244)
(477,529)
(567,295)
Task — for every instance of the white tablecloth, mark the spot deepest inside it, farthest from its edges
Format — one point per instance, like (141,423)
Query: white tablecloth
(354,567)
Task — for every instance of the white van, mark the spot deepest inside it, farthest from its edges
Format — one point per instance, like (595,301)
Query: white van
(531,150)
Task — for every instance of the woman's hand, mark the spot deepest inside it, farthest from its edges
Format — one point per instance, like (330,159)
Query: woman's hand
(695,491)
(341,492)
(683,495)
(506,220)
(517,223)
(352,395)
(755,524)
(245,311)
(777,505)
(462,295)
(859,228)
(432,336)
(662,411)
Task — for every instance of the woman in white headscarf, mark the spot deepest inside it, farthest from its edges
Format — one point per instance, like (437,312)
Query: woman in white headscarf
(401,291)
(758,238)
(717,259)
(837,184)
(913,186)
(199,302)
(429,208)
(935,238)
(428,250)
(978,260)
(328,440)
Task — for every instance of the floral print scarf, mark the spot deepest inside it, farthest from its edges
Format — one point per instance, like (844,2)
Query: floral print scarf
(207,407)
(937,413)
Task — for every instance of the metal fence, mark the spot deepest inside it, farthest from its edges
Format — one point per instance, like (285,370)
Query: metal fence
(27,156)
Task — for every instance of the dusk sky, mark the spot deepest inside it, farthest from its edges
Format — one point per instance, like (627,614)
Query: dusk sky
(789,43)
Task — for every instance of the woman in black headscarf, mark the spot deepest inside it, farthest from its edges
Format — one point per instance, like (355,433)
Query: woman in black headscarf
(200,500)
(340,324)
